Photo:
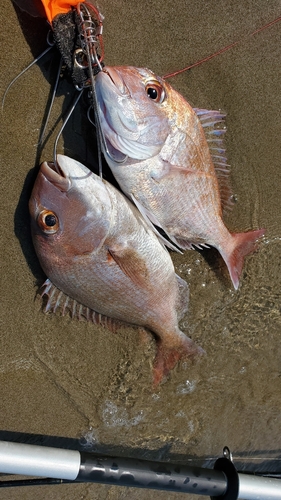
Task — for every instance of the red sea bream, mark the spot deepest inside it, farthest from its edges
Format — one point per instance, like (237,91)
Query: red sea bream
(104,261)
(169,159)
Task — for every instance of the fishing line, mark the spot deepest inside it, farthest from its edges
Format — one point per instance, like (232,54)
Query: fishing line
(63,126)
(26,69)
(88,43)
(52,102)
(221,51)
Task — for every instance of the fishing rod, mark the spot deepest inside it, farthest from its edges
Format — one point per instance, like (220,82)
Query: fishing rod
(58,466)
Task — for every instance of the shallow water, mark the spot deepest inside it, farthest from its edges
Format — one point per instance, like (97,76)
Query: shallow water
(74,380)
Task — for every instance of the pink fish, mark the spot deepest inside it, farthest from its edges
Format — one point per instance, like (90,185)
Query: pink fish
(169,159)
(104,262)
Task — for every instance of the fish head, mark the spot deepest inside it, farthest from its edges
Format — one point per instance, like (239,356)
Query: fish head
(70,210)
(135,111)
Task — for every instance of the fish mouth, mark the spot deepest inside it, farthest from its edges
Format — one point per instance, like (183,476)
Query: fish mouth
(55,175)
(127,128)
(116,80)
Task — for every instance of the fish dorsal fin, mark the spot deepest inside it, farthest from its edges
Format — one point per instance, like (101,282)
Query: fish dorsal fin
(57,300)
(183,297)
(213,123)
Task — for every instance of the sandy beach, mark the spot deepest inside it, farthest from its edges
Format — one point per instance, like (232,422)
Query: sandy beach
(68,383)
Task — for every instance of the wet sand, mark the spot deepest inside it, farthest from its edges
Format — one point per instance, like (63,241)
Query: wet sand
(83,386)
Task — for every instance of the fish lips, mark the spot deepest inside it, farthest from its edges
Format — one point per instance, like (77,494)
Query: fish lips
(50,180)
(111,77)
(54,174)
(65,171)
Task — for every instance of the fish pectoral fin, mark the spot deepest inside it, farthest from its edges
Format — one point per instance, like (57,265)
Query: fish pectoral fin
(148,216)
(150,219)
(131,264)
(172,170)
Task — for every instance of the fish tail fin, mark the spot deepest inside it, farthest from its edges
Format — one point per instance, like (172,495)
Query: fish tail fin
(242,245)
(169,353)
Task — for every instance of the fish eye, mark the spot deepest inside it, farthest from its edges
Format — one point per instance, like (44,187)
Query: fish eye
(48,221)
(155,91)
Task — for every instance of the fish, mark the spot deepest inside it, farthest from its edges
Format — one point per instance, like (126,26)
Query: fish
(169,159)
(104,262)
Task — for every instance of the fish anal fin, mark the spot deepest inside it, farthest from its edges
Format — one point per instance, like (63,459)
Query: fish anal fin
(189,244)
(130,263)
(183,244)
(57,300)
(167,356)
